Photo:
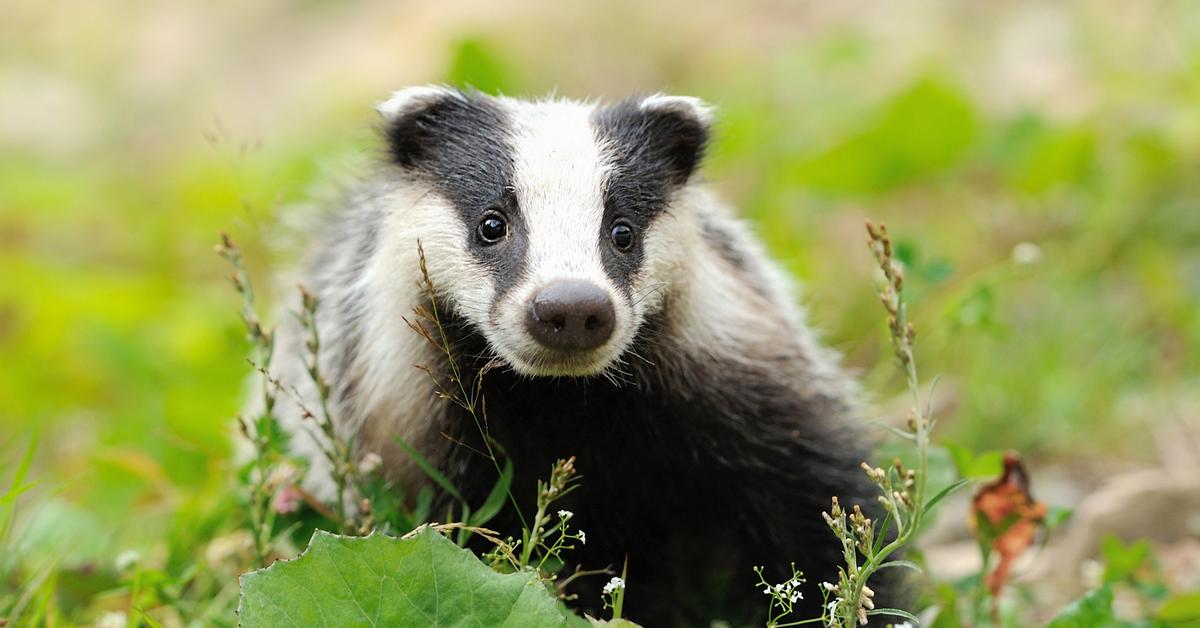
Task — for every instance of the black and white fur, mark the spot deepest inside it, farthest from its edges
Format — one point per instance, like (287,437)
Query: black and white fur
(710,429)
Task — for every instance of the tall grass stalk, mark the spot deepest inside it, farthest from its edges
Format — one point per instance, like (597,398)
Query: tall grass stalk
(338,451)
(548,534)
(866,550)
(868,547)
(257,430)
(427,322)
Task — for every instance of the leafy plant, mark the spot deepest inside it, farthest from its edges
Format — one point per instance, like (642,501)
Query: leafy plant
(783,595)
(261,431)
(1131,567)
(1093,610)
(338,450)
(902,491)
(422,579)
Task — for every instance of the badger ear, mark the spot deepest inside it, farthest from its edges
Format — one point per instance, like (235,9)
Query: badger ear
(664,134)
(690,107)
(409,115)
(685,123)
(410,100)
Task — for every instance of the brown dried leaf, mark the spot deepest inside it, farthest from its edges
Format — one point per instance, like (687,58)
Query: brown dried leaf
(1006,518)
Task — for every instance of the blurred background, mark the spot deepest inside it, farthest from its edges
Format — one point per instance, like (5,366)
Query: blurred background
(1036,162)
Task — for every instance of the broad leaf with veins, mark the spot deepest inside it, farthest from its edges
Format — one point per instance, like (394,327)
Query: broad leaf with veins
(384,581)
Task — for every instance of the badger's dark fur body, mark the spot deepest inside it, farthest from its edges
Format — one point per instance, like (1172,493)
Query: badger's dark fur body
(710,429)
(695,472)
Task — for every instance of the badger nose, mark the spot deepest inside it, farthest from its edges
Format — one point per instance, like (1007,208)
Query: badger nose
(570,315)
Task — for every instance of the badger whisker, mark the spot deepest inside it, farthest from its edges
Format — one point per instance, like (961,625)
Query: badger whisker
(648,292)
(634,353)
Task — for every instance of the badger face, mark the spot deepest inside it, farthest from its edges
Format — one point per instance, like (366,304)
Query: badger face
(548,226)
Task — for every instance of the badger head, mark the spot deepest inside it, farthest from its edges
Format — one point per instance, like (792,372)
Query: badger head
(550,227)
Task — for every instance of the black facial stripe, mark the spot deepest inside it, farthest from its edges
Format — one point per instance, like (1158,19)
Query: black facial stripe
(621,265)
(461,143)
(652,152)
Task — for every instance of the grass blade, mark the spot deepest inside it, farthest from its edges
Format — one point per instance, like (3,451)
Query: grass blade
(882,533)
(16,488)
(429,469)
(495,500)
(942,494)
(908,564)
(895,612)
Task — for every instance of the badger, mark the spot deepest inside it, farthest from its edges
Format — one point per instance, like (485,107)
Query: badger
(618,312)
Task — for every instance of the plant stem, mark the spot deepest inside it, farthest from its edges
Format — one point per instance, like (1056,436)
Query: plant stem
(473,402)
(903,491)
(263,342)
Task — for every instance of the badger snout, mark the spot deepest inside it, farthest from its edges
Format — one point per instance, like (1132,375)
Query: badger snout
(571,315)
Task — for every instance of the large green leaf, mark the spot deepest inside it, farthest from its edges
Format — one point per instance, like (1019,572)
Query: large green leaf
(923,131)
(1181,610)
(384,581)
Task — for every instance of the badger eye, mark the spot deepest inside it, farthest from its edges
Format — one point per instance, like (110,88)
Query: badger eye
(492,228)
(622,235)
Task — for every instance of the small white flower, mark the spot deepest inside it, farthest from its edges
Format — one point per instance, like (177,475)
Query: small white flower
(114,619)
(614,585)
(127,559)
(1026,253)
(903,624)
(582,538)
(565,514)
(370,462)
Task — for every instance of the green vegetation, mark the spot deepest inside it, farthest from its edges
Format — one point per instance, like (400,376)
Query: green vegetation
(427,581)
(1036,166)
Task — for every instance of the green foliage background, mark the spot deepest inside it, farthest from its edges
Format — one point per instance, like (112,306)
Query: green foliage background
(1038,163)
